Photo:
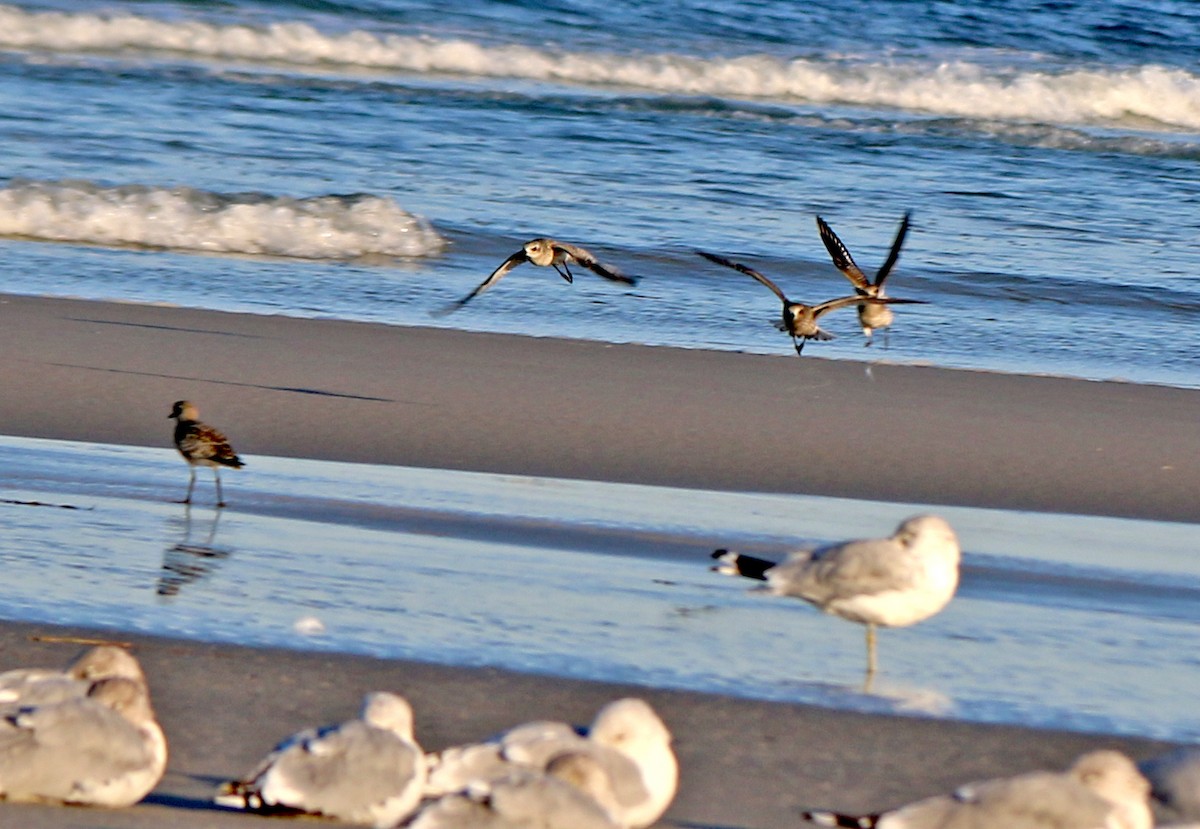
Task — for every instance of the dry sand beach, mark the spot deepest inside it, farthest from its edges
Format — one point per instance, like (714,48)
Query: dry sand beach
(108,372)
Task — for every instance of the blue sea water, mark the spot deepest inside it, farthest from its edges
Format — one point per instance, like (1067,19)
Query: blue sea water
(375,160)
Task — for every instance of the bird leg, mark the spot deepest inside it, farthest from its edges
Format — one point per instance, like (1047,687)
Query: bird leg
(220,497)
(191,484)
(872,663)
(565,272)
(799,343)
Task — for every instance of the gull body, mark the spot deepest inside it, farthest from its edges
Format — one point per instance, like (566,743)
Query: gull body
(799,320)
(546,253)
(25,687)
(871,316)
(201,445)
(1101,790)
(1175,781)
(574,792)
(893,582)
(368,770)
(626,741)
(102,749)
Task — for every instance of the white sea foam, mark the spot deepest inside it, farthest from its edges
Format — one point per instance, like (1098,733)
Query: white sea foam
(1157,94)
(180,218)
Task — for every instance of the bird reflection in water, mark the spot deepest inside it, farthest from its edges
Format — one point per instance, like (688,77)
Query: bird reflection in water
(190,560)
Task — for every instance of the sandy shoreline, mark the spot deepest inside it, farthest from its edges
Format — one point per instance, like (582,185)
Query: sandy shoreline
(108,372)
(744,763)
(333,390)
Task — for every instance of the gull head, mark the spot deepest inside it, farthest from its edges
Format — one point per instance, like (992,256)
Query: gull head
(106,662)
(389,712)
(1115,778)
(929,532)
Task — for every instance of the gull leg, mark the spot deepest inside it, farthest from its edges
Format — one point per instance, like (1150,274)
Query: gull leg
(220,497)
(872,662)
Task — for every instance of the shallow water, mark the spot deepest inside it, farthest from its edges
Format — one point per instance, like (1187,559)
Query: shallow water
(1083,623)
(375,160)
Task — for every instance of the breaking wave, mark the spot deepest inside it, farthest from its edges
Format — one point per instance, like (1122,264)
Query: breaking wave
(180,218)
(1148,94)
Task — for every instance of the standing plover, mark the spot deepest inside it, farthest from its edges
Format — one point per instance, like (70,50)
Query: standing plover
(545,253)
(894,582)
(870,315)
(201,445)
(1100,789)
(800,320)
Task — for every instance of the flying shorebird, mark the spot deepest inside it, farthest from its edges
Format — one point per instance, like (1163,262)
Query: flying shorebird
(871,316)
(546,253)
(894,582)
(800,320)
(201,445)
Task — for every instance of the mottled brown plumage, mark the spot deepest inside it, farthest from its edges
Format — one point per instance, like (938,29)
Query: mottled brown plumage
(545,253)
(871,316)
(201,445)
(800,320)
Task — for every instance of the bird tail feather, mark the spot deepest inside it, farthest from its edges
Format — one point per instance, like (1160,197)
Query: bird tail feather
(838,819)
(736,564)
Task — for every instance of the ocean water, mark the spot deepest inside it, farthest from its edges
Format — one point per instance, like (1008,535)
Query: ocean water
(376,159)
(1060,621)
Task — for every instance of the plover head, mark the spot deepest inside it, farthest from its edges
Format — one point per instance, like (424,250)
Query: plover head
(540,251)
(183,410)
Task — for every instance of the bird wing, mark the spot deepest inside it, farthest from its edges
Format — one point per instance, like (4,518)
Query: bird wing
(721,260)
(495,276)
(894,253)
(842,302)
(842,260)
(207,443)
(842,571)
(585,258)
(343,772)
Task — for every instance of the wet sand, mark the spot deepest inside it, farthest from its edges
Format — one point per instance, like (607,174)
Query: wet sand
(425,397)
(446,399)
(744,763)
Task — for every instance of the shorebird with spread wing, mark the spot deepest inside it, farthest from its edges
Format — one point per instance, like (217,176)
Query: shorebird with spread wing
(800,320)
(872,316)
(546,253)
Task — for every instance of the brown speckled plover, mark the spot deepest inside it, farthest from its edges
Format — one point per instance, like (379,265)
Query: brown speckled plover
(871,316)
(546,253)
(1101,788)
(800,320)
(894,582)
(201,445)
